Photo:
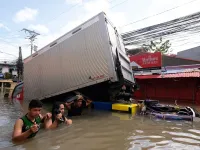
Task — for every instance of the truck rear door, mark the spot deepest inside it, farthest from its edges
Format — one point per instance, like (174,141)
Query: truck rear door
(119,49)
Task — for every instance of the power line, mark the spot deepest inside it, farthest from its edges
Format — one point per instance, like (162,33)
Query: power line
(179,32)
(8,43)
(8,54)
(117,4)
(189,25)
(157,14)
(63,13)
(108,8)
(81,6)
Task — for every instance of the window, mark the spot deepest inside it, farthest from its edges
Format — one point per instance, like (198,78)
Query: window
(10,70)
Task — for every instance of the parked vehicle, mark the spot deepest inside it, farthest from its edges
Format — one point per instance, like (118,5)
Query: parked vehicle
(168,112)
(90,59)
(18,92)
(1,76)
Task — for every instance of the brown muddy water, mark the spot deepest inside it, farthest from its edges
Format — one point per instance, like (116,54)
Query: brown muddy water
(101,130)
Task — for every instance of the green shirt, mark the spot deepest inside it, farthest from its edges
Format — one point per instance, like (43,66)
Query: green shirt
(28,123)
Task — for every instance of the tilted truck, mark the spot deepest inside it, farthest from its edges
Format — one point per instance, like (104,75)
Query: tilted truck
(90,59)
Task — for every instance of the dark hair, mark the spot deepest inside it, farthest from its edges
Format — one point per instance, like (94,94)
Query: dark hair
(35,104)
(55,109)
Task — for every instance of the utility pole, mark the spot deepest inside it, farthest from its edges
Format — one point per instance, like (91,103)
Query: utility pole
(32,36)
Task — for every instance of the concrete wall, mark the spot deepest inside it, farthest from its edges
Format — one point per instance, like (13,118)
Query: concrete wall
(14,72)
(5,69)
(193,53)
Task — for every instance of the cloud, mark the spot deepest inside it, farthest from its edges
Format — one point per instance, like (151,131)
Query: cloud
(70,26)
(26,14)
(4,27)
(73,1)
(42,29)
(11,46)
(185,7)
(88,10)
(96,6)
(7,51)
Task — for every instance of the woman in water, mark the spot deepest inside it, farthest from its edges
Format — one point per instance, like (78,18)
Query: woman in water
(58,116)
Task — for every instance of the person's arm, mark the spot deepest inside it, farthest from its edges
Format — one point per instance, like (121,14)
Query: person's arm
(56,122)
(68,121)
(46,119)
(88,102)
(68,105)
(18,136)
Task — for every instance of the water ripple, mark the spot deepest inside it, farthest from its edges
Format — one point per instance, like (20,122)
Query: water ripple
(104,130)
(182,134)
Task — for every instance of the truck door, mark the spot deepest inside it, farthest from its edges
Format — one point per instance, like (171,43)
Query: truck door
(118,50)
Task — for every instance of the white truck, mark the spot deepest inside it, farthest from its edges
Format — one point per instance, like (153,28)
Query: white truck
(90,59)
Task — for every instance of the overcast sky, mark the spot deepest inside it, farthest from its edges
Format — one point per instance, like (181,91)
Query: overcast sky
(53,18)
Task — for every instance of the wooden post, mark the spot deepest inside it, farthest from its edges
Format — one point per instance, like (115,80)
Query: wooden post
(2,87)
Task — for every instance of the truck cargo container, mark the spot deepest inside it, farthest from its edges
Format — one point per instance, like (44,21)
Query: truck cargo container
(90,59)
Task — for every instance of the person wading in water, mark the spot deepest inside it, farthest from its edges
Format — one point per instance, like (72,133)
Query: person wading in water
(58,115)
(75,108)
(28,126)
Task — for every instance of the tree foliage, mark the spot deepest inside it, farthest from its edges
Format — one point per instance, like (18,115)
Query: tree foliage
(8,75)
(20,65)
(158,46)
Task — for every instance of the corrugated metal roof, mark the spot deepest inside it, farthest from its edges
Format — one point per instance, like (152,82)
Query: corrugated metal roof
(194,74)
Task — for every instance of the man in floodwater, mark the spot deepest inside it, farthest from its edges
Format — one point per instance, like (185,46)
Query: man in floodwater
(29,125)
(75,108)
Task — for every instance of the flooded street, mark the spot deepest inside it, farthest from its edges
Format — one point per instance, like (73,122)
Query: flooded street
(103,130)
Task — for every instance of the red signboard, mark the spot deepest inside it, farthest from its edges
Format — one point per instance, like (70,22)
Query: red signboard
(146,60)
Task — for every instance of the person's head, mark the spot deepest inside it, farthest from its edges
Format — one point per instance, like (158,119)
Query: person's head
(78,102)
(35,107)
(58,108)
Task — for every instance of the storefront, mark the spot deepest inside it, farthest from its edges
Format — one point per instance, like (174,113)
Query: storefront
(166,78)
(183,87)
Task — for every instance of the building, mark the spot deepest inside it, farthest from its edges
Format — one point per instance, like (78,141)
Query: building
(182,85)
(162,77)
(164,60)
(193,53)
(6,67)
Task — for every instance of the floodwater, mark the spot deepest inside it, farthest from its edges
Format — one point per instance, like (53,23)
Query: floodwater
(101,130)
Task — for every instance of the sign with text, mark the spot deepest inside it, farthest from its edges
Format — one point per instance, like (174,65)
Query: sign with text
(146,60)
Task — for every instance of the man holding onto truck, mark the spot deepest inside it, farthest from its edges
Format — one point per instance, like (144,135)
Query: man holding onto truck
(28,126)
(75,108)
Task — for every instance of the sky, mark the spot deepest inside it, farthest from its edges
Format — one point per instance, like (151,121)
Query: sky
(53,18)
